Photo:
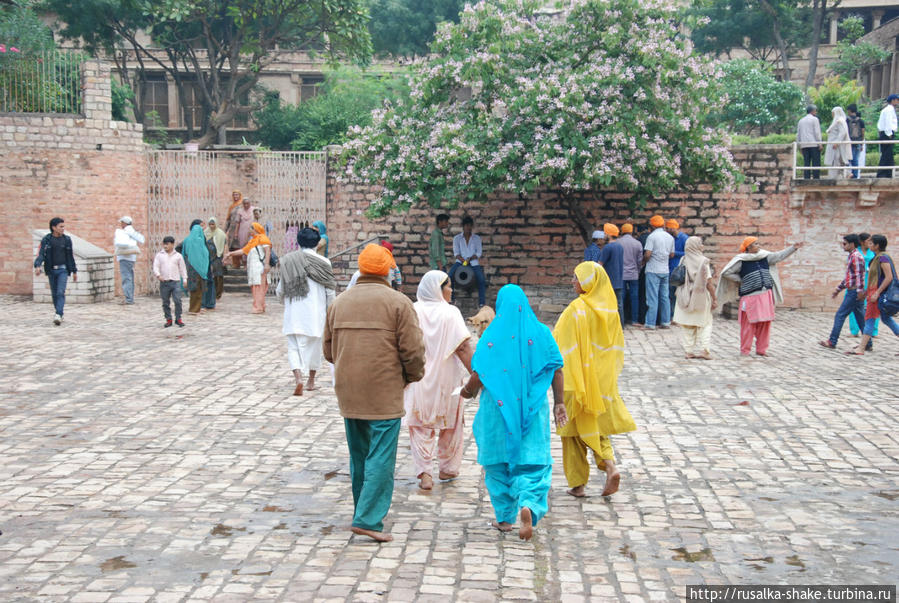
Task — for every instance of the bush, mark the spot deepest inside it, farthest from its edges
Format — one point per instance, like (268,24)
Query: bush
(346,99)
(756,100)
(769,139)
(122,100)
(834,92)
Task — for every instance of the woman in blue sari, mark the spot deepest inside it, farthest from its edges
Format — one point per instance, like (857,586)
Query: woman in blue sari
(516,361)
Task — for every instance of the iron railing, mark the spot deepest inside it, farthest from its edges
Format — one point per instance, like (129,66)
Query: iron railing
(843,171)
(44,82)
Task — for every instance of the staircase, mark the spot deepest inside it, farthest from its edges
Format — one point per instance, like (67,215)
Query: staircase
(236,280)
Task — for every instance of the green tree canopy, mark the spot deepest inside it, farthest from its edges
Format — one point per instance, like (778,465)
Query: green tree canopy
(346,99)
(756,100)
(606,97)
(406,27)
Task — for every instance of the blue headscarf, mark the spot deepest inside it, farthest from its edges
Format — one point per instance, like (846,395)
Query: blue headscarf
(194,247)
(515,359)
(323,231)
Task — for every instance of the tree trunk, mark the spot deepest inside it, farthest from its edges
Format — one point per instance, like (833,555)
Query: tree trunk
(782,49)
(819,11)
(578,217)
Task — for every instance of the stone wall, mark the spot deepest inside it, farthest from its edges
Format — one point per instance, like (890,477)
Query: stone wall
(96,273)
(533,243)
(87,169)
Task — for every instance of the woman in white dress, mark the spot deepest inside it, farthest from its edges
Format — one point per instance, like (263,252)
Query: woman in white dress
(258,251)
(838,155)
(695,301)
(433,404)
(307,288)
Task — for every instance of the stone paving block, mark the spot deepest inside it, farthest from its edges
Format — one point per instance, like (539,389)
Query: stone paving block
(173,466)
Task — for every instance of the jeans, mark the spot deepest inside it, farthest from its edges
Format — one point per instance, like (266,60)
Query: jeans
(856,153)
(169,290)
(889,321)
(632,293)
(851,305)
(209,294)
(657,299)
(126,270)
(479,277)
(811,157)
(58,278)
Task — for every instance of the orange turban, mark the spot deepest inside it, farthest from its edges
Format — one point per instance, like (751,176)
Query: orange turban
(375,259)
(626,228)
(657,221)
(610,229)
(746,243)
(672,223)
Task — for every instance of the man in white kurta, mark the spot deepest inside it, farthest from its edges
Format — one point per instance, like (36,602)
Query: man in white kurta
(304,317)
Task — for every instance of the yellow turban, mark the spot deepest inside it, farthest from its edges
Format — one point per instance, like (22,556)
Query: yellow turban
(672,223)
(375,259)
(610,229)
(746,243)
(657,221)
(626,228)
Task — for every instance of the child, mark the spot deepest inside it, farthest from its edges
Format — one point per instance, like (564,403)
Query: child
(169,268)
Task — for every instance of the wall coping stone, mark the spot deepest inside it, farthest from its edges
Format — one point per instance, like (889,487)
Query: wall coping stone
(80,247)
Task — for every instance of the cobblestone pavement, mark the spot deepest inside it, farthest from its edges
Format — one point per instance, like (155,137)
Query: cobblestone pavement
(142,463)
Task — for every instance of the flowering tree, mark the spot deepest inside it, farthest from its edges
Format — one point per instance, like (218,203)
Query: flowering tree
(607,96)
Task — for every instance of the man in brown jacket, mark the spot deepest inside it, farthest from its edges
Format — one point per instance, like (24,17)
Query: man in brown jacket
(373,338)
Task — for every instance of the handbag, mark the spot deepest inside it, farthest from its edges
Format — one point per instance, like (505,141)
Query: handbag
(272,258)
(888,302)
(678,276)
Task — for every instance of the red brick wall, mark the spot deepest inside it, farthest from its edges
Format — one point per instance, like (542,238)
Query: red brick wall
(533,243)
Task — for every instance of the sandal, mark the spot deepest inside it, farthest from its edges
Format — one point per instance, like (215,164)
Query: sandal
(854,353)
(826,344)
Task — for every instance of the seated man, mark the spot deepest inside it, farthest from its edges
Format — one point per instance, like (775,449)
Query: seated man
(467,250)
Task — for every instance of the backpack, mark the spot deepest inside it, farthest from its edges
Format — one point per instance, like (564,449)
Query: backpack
(855,128)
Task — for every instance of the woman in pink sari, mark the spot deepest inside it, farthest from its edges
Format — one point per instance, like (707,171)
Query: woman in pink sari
(433,404)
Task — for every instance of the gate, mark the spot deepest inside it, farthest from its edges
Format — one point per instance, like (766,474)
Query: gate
(185,185)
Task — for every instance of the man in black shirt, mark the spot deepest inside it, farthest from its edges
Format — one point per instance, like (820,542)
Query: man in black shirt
(58,260)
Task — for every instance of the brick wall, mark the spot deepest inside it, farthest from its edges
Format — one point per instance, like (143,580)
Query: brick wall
(533,243)
(86,168)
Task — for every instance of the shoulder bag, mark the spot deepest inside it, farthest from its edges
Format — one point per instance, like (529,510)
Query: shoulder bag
(678,276)
(888,302)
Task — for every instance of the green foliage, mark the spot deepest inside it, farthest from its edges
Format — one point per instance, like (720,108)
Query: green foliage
(756,100)
(155,133)
(21,28)
(406,27)
(853,55)
(346,99)
(769,139)
(834,92)
(122,100)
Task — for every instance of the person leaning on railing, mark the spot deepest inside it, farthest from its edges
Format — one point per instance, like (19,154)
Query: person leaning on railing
(886,130)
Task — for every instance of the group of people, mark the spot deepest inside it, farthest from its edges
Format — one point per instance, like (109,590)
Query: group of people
(642,268)
(869,273)
(417,361)
(845,143)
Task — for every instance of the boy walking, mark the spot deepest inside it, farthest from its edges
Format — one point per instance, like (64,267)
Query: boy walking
(169,268)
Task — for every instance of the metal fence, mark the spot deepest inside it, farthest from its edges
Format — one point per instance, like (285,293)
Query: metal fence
(46,82)
(860,168)
(185,185)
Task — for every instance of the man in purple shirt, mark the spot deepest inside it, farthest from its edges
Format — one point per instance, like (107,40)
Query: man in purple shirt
(632,257)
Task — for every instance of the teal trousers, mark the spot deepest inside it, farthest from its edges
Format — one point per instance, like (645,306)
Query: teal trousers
(512,488)
(372,447)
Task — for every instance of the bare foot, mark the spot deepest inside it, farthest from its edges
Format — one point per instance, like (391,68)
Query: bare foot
(310,386)
(377,536)
(298,390)
(577,492)
(446,476)
(703,356)
(526,531)
(612,481)
(689,356)
(502,526)
(426,482)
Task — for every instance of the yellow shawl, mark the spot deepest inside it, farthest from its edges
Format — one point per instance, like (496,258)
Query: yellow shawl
(590,338)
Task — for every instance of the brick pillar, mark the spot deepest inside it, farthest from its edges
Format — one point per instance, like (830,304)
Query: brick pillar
(96,90)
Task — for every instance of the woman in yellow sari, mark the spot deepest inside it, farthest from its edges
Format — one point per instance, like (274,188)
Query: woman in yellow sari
(592,343)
